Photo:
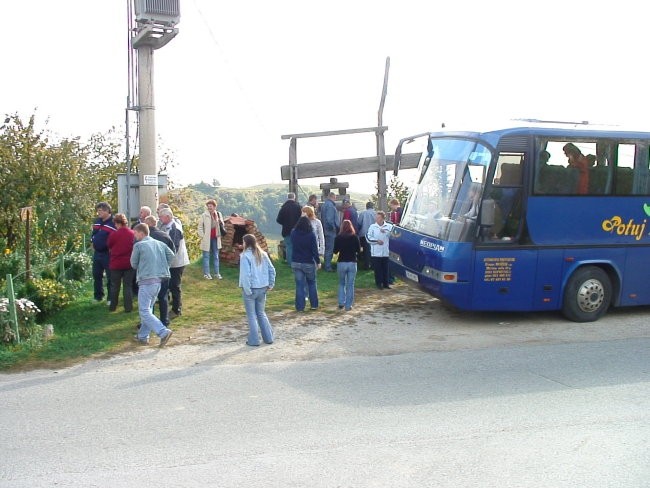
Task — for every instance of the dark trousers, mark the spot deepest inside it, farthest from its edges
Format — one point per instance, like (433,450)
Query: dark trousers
(365,253)
(100,266)
(163,301)
(380,266)
(122,277)
(175,288)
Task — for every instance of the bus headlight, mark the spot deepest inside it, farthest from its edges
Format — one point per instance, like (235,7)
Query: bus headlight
(442,276)
(393,256)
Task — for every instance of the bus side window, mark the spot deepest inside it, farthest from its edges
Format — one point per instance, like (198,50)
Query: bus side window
(642,170)
(624,168)
(506,194)
(510,175)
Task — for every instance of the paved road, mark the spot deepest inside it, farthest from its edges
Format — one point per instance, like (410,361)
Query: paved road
(555,415)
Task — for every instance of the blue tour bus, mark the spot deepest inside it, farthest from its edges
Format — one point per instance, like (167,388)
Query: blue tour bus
(529,218)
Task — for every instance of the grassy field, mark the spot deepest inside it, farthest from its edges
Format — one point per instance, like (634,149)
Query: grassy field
(87,328)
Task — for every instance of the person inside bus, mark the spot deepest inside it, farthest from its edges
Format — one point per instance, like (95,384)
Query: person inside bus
(591,160)
(578,161)
(474,199)
(544,156)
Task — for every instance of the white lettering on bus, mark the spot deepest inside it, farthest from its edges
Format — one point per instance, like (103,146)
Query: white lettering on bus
(432,245)
(616,225)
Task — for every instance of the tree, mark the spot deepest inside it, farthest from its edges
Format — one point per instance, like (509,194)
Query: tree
(396,189)
(61,180)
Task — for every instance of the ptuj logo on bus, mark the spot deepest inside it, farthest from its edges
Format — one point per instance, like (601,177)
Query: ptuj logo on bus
(629,228)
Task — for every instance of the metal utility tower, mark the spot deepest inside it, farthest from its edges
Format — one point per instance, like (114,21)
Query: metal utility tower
(155,26)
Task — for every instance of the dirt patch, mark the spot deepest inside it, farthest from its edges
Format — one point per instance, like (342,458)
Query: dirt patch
(381,323)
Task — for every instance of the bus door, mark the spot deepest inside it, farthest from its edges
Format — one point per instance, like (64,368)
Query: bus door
(504,271)
(504,278)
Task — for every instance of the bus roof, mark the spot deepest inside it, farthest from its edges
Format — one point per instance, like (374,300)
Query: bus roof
(494,132)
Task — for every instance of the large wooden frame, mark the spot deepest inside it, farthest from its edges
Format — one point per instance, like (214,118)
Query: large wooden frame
(373,164)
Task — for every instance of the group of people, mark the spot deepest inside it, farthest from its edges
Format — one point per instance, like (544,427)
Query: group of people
(148,259)
(152,255)
(354,237)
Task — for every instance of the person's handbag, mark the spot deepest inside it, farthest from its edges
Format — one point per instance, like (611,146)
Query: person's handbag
(222,228)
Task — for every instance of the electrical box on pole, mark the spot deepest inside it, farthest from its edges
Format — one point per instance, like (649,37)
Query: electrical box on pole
(153,25)
(162,12)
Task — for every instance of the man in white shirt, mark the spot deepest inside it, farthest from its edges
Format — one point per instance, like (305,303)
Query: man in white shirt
(378,236)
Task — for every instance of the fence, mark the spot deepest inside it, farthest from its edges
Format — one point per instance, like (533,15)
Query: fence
(78,262)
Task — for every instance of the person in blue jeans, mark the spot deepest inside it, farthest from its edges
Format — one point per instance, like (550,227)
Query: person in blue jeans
(256,277)
(347,246)
(103,226)
(150,259)
(209,230)
(305,263)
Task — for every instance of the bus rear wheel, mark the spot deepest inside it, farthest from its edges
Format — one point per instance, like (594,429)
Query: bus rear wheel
(587,295)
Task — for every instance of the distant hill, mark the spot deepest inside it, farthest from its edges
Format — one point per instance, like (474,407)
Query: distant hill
(259,203)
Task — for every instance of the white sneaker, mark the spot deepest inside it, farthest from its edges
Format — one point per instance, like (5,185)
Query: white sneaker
(207,276)
(219,277)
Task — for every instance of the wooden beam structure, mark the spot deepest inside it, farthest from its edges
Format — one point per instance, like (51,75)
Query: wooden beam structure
(375,164)
(347,166)
(334,132)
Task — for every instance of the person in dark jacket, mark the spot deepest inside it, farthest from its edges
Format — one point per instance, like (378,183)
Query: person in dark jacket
(305,263)
(347,246)
(120,247)
(330,220)
(349,212)
(103,227)
(287,217)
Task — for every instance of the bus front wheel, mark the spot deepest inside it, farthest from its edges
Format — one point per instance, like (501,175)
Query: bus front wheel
(587,295)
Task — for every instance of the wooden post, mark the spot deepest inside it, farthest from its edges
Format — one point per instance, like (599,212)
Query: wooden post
(12,306)
(293,166)
(25,216)
(381,148)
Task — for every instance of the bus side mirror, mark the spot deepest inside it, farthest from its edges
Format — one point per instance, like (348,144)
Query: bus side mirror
(487,213)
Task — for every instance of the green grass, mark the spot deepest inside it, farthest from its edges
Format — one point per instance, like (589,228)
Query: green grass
(87,328)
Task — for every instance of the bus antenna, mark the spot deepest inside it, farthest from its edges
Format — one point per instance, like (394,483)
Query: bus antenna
(540,121)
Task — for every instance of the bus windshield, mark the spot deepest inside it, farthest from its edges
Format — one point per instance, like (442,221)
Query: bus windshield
(445,203)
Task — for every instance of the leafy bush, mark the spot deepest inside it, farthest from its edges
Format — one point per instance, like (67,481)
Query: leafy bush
(11,262)
(78,266)
(49,295)
(26,312)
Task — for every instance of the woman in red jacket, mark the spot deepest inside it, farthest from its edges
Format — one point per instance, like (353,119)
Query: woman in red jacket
(120,247)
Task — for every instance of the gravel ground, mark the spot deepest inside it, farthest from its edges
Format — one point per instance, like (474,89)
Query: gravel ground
(384,322)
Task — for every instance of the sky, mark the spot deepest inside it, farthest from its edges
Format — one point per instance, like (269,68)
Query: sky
(241,74)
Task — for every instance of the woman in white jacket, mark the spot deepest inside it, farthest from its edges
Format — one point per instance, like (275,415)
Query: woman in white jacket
(209,231)
(377,236)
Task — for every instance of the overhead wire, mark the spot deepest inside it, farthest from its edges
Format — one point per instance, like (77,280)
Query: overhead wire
(232,72)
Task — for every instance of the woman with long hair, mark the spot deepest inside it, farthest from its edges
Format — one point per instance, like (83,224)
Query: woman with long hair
(256,277)
(316,226)
(304,263)
(347,246)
